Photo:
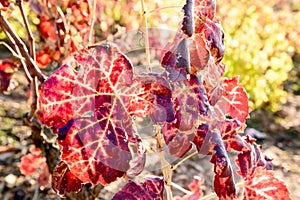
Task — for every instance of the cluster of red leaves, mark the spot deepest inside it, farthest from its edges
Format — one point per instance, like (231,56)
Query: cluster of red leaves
(152,188)
(45,56)
(35,162)
(198,50)
(93,117)
(61,34)
(6,6)
(93,111)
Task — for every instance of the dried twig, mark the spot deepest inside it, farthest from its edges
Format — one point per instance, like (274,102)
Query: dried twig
(32,66)
(32,72)
(92,21)
(144,14)
(28,30)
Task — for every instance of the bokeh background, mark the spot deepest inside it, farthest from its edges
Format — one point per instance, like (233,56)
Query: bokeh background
(262,47)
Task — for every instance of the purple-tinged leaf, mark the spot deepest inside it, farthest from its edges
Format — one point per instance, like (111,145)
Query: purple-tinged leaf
(96,151)
(251,158)
(188,26)
(212,34)
(179,143)
(155,95)
(191,107)
(224,181)
(229,132)
(191,103)
(177,60)
(137,164)
(90,109)
(152,189)
(202,139)
(199,54)
(256,170)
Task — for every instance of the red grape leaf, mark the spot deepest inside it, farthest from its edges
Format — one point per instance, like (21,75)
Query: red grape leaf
(191,103)
(32,161)
(202,139)
(63,181)
(177,59)
(235,142)
(7,69)
(47,28)
(155,95)
(209,41)
(191,107)
(93,110)
(56,106)
(224,180)
(185,56)
(233,101)
(264,185)
(179,143)
(251,158)
(207,45)
(199,54)
(208,141)
(152,188)
(188,26)
(35,162)
(205,9)
(95,151)
(95,146)
(229,132)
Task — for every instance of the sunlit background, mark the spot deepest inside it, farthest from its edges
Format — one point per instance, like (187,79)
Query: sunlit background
(262,40)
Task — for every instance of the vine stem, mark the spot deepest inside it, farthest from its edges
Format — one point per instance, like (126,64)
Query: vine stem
(92,21)
(166,167)
(18,55)
(144,13)
(12,51)
(32,72)
(163,8)
(183,160)
(32,66)
(181,189)
(28,30)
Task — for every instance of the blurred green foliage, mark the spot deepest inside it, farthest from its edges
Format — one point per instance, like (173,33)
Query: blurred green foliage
(260,38)
(15,20)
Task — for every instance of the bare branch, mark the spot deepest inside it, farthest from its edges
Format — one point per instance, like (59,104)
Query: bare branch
(32,66)
(16,52)
(92,22)
(28,30)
